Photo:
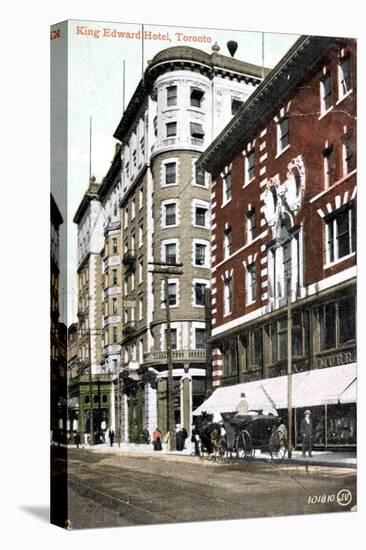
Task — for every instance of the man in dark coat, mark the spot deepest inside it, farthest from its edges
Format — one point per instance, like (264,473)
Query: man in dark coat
(111,437)
(306,428)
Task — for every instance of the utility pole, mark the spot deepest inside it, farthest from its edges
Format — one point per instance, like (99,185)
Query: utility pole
(289,364)
(91,416)
(118,430)
(166,270)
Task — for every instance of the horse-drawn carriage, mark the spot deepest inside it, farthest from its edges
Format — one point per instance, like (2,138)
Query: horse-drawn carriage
(240,436)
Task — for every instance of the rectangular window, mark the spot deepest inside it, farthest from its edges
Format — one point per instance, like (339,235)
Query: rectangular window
(134,158)
(114,335)
(199,294)
(200,338)
(329,166)
(127,170)
(348,157)
(141,271)
(252,283)
(228,296)
(171,96)
(196,97)
(235,106)
(200,216)
(170,173)
(114,277)
(114,245)
(142,147)
(326,92)
(141,304)
(171,253)
(297,334)
(200,254)
(141,198)
(133,209)
(283,134)
(249,165)
(341,234)
(114,306)
(251,229)
(141,235)
(344,75)
(327,326)
(171,129)
(282,339)
(347,319)
(197,130)
(126,218)
(172,294)
(227,188)
(256,348)
(228,242)
(199,176)
(170,214)
(173,338)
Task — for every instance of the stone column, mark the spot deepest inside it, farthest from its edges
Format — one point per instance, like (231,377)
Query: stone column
(124,418)
(186,400)
(150,413)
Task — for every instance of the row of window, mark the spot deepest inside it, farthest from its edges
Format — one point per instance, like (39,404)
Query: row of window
(170,213)
(200,253)
(334,327)
(130,211)
(195,128)
(343,82)
(170,174)
(196,98)
(284,257)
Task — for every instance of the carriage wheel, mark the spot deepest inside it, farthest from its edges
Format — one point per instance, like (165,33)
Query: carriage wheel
(277,446)
(243,445)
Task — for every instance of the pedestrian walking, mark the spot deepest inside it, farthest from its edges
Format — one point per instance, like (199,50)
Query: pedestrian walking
(111,437)
(179,439)
(146,435)
(157,440)
(306,429)
(77,439)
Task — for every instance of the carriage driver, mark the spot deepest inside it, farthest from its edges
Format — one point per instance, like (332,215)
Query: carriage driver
(242,407)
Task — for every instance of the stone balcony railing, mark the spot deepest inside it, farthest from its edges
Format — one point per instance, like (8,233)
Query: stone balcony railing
(178,355)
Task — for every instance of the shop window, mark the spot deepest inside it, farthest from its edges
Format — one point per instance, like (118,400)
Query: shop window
(256,348)
(347,321)
(230,362)
(327,326)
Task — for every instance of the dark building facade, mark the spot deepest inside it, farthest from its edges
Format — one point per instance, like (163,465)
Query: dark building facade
(283,215)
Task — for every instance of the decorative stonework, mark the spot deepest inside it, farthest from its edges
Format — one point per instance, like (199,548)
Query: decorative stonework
(286,197)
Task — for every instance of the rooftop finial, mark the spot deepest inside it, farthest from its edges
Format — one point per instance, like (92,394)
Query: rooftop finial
(216,47)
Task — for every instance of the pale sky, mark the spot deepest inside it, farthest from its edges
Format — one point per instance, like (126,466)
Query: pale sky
(95,89)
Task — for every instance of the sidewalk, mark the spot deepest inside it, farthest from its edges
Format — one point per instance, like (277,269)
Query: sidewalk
(335,459)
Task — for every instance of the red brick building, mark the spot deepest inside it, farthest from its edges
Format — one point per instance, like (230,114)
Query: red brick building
(284,224)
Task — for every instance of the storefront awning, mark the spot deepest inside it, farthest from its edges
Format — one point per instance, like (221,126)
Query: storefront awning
(309,389)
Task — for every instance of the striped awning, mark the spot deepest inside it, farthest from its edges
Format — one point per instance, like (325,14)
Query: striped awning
(309,389)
